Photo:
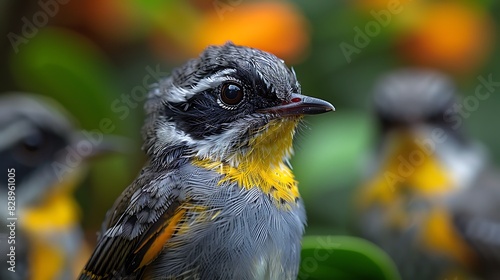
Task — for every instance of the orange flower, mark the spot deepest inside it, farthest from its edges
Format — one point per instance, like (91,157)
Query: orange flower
(276,27)
(449,36)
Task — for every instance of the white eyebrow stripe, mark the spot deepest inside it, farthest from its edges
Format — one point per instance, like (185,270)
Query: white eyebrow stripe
(180,94)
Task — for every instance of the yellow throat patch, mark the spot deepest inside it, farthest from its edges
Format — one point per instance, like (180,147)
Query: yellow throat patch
(262,165)
(408,168)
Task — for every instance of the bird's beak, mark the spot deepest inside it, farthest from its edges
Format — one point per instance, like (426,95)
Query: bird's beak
(102,145)
(299,104)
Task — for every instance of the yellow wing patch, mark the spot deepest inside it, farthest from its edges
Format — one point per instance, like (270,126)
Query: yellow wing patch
(157,239)
(438,234)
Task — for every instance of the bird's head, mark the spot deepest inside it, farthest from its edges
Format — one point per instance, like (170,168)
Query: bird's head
(228,103)
(45,152)
(35,132)
(411,97)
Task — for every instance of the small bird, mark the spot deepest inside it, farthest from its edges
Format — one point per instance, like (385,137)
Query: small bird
(44,239)
(430,182)
(217,198)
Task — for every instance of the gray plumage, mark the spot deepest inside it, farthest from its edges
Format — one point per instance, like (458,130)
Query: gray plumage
(249,239)
(226,231)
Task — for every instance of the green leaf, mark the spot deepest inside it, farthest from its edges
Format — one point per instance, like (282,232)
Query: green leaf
(344,257)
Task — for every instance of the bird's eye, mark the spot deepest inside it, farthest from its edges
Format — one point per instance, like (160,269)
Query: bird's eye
(32,143)
(231,94)
(33,149)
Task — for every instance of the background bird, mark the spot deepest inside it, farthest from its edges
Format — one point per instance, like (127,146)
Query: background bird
(44,151)
(217,198)
(429,183)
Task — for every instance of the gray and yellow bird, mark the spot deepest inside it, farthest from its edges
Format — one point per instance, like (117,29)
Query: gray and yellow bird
(429,183)
(217,198)
(43,239)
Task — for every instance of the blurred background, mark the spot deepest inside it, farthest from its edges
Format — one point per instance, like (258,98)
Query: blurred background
(96,58)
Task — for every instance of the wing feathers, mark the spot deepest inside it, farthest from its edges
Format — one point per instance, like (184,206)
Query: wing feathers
(152,246)
(135,232)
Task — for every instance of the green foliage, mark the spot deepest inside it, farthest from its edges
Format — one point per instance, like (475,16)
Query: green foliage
(68,68)
(344,258)
(335,143)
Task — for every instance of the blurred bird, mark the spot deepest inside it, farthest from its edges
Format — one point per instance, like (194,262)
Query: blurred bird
(43,154)
(217,198)
(431,201)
